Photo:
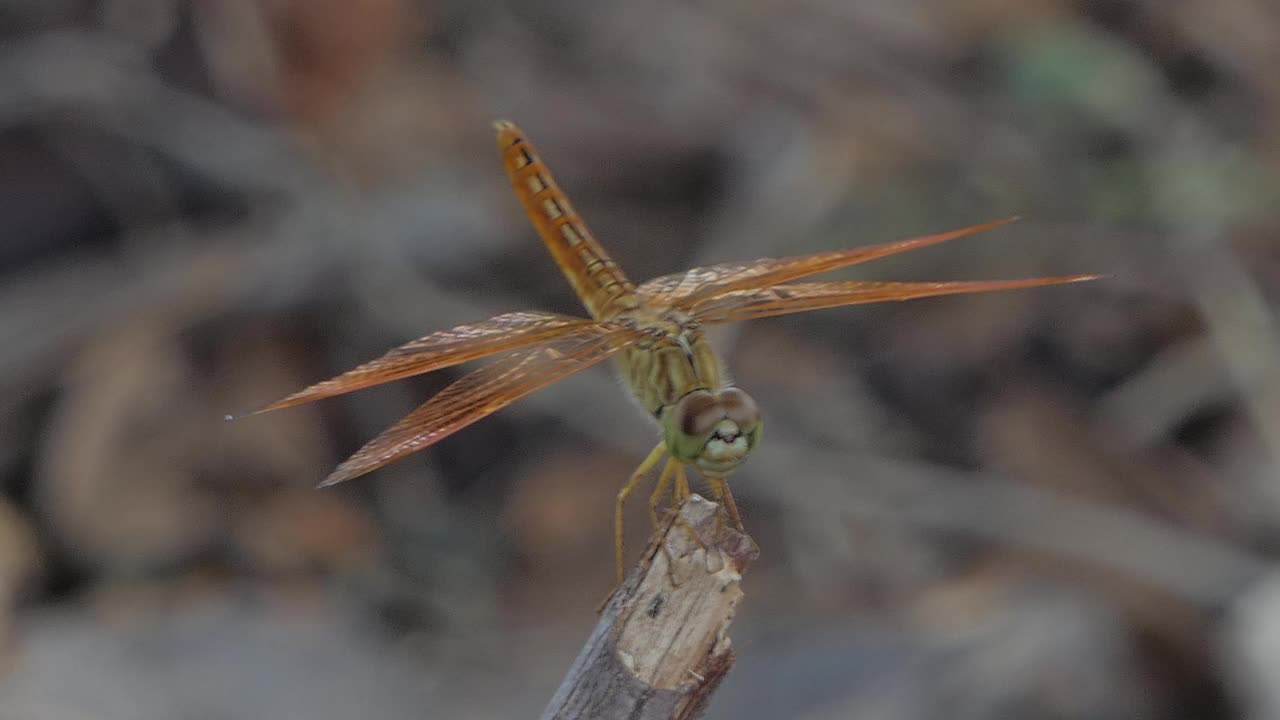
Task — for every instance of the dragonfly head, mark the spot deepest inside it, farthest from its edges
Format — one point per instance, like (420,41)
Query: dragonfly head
(713,430)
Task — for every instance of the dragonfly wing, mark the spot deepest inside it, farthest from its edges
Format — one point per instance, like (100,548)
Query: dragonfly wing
(503,333)
(484,392)
(686,289)
(683,284)
(800,297)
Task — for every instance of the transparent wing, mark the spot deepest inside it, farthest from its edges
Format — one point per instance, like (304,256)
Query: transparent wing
(684,290)
(683,284)
(484,392)
(800,297)
(503,333)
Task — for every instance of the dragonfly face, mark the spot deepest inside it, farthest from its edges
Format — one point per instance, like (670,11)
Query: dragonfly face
(713,430)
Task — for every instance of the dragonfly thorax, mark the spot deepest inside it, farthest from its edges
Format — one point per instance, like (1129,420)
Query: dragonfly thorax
(670,361)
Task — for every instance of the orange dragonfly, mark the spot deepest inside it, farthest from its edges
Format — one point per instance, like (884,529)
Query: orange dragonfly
(654,330)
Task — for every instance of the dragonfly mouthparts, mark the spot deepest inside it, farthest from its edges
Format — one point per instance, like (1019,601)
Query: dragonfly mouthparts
(728,434)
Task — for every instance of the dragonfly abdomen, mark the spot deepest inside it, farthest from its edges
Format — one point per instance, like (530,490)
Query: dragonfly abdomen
(599,283)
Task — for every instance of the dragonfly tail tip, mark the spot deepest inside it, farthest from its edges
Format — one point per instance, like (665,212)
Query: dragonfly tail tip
(508,133)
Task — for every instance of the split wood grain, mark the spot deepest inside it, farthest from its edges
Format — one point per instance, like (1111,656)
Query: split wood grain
(662,644)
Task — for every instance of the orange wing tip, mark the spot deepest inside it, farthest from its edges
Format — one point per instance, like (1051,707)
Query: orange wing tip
(1058,280)
(332,480)
(352,468)
(277,405)
(299,398)
(965,231)
(344,472)
(1065,279)
(982,227)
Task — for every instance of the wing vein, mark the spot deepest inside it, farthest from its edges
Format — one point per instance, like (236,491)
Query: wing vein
(446,348)
(800,297)
(482,393)
(688,288)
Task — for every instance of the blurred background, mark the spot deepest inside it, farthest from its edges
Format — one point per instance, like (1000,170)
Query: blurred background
(1059,503)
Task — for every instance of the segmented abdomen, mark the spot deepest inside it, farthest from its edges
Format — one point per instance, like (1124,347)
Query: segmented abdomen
(600,284)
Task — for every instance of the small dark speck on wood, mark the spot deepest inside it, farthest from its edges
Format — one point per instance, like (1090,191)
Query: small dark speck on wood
(655,607)
(662,645)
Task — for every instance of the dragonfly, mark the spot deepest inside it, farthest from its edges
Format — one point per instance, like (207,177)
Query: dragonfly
(654,332)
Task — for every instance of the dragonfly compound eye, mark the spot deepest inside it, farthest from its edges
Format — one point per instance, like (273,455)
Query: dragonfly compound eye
(739,407)
(697,413)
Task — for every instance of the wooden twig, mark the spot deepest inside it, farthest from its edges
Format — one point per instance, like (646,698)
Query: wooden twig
(662,644)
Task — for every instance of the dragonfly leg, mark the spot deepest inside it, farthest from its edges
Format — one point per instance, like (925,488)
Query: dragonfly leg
(682,486)
(664,481)
(721,486)
(636,476)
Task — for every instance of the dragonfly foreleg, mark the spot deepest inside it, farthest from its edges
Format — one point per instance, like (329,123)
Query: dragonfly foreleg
(721,488)
(664,481)
(645,467)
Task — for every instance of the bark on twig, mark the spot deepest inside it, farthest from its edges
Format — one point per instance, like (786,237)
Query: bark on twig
(662,644)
